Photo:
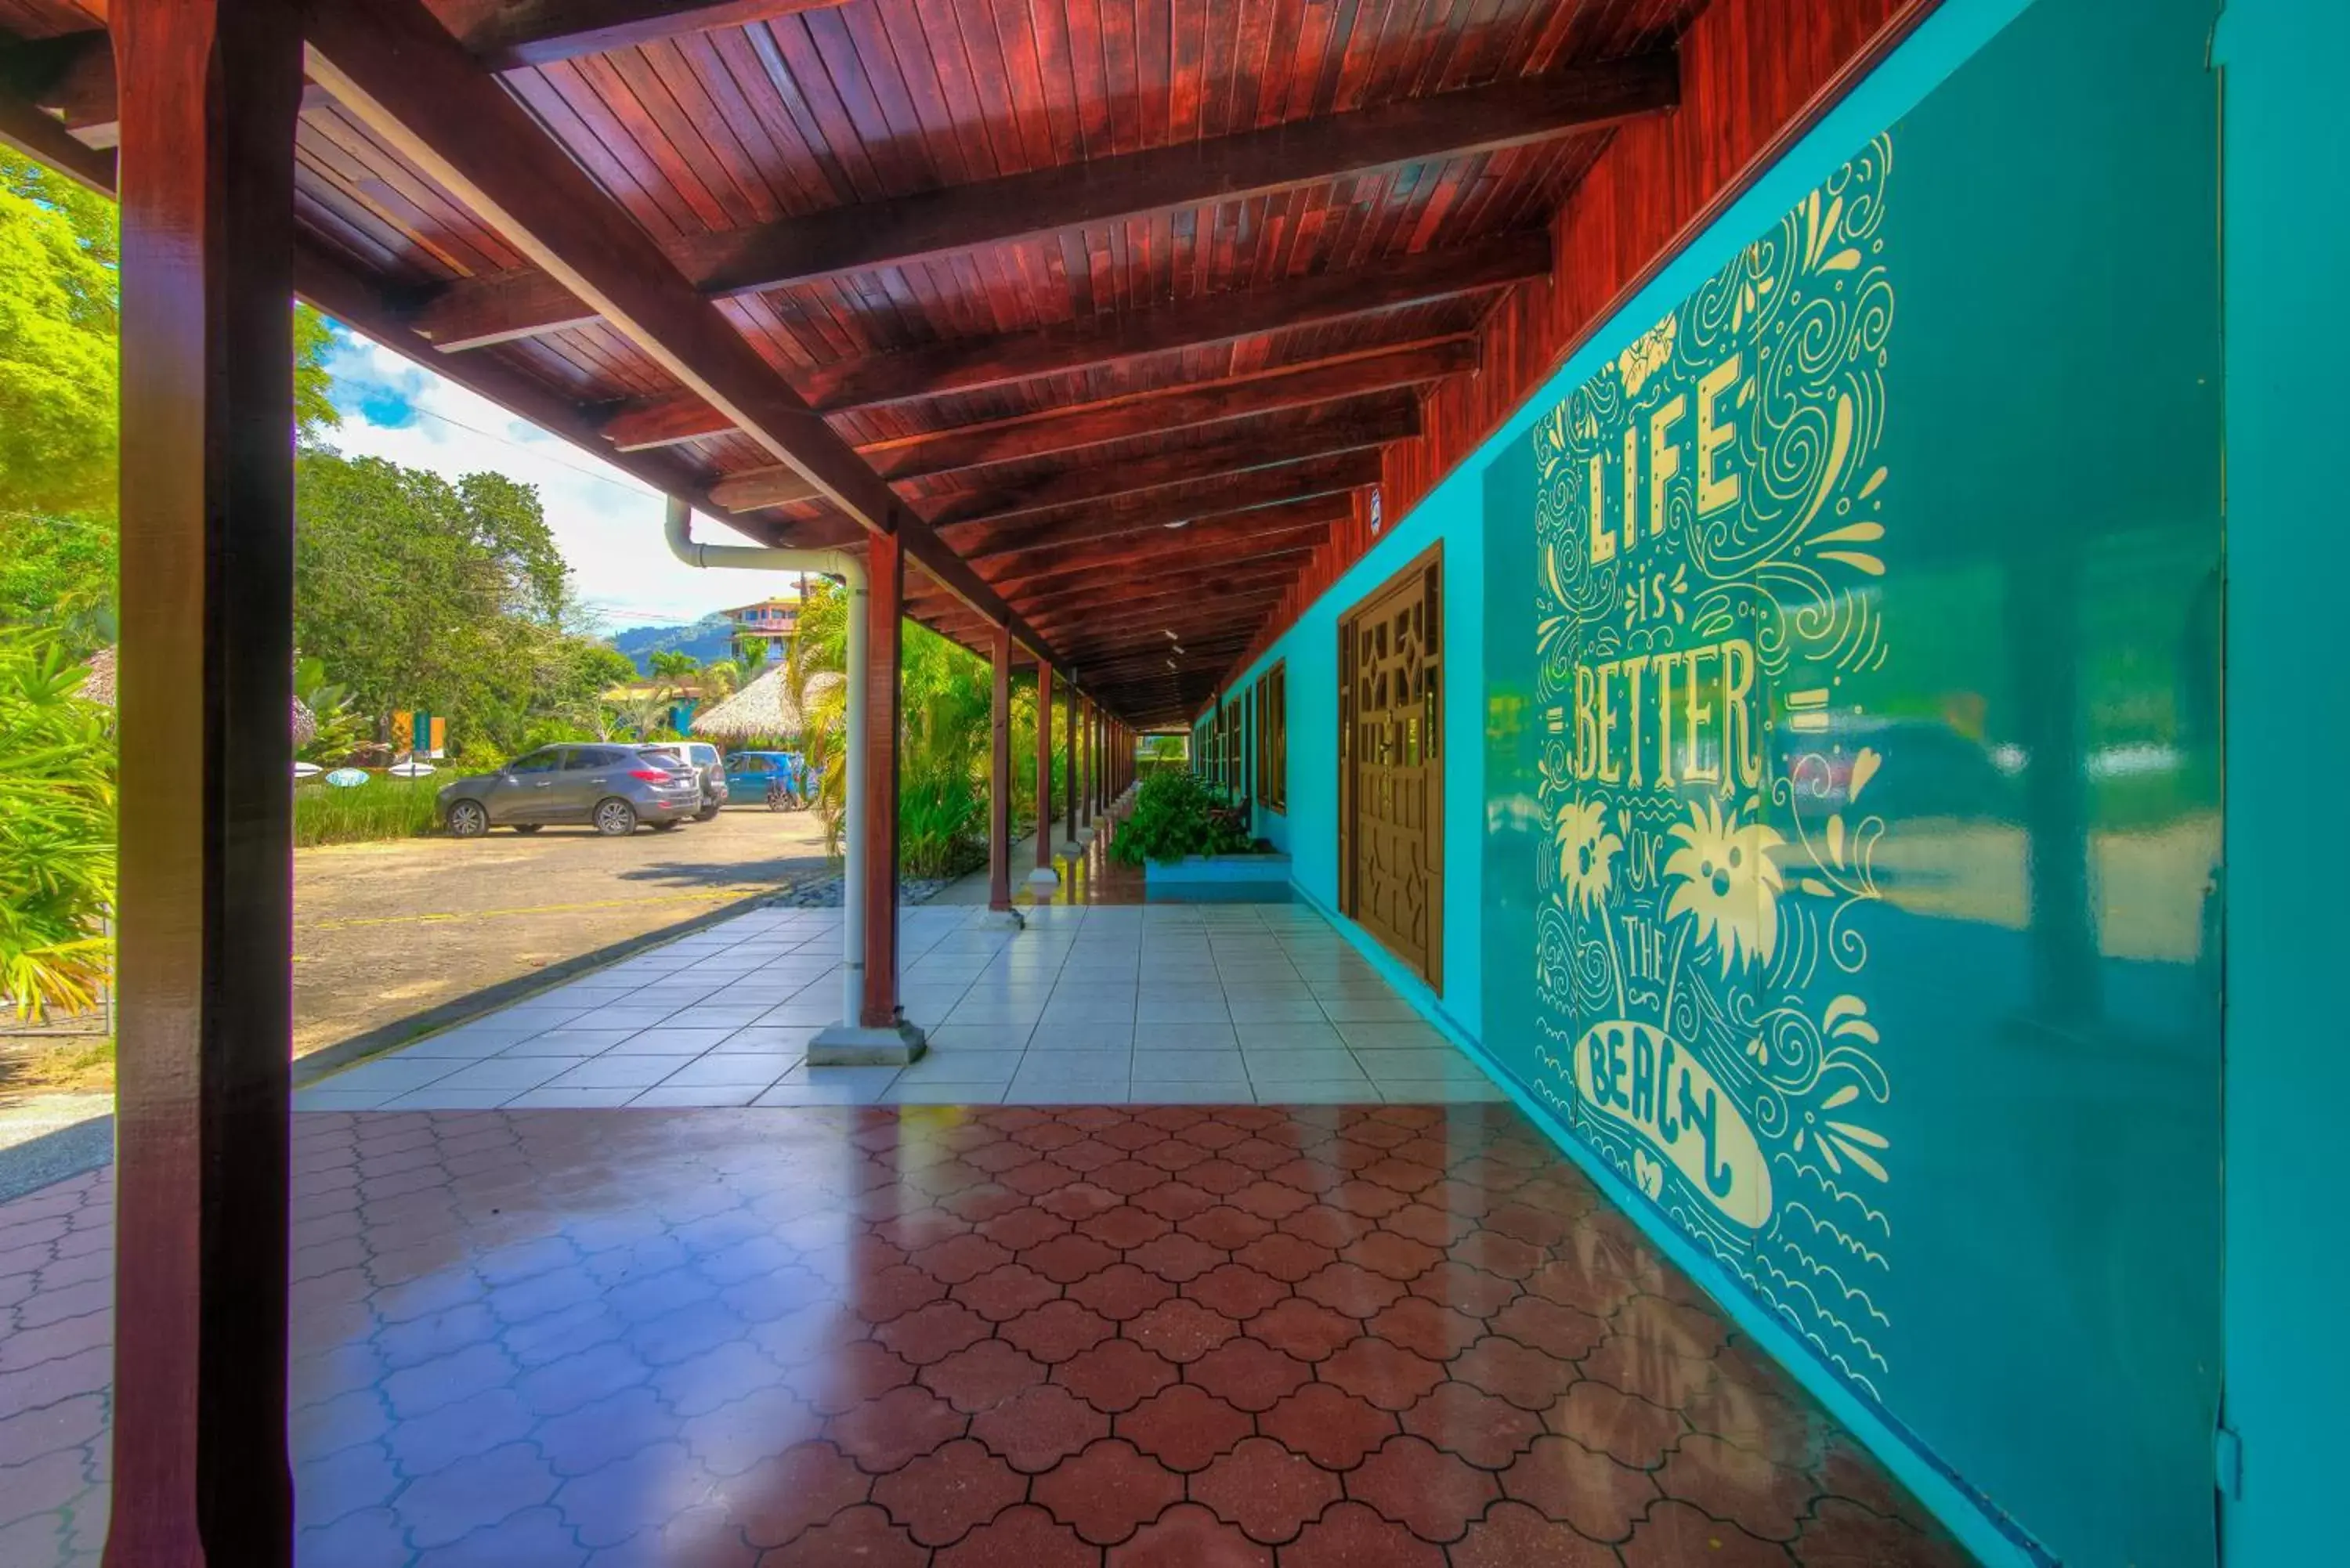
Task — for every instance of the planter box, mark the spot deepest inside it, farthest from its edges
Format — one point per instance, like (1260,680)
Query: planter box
(1218,879)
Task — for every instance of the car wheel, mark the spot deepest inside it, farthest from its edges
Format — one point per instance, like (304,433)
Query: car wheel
(616,818)
(468,820)
(527,827)
(707,814)
(667,826)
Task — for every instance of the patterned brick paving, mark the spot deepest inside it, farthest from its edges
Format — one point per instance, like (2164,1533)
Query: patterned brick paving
(1128,1336)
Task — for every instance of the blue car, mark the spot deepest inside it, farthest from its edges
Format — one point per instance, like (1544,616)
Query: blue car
(783,779)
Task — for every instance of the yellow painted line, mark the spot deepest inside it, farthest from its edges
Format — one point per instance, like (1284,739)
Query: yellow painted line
(706,895)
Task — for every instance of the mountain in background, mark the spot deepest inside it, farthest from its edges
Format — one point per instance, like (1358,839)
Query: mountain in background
(709,638)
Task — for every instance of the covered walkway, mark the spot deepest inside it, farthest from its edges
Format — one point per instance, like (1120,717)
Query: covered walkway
(1188,1337)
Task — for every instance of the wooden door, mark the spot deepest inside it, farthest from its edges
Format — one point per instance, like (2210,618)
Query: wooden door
(1391,765)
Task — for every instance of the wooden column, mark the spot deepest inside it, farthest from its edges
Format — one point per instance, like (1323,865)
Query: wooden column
(210,88)
(884,659)
(1069,767)
(999,792)
(1043,766)
(1086,760)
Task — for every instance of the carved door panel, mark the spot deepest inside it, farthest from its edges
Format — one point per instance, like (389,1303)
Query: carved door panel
(1391,765)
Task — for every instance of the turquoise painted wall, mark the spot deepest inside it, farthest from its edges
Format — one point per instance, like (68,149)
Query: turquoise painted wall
(2288,257)
(2027,1424)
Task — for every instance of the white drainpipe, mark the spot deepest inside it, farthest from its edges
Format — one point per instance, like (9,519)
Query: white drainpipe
(679,529)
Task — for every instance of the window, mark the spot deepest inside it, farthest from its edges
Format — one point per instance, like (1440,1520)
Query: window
(1273,738)
(545,761)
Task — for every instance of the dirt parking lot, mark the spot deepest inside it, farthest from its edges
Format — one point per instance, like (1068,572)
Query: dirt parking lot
(385,932)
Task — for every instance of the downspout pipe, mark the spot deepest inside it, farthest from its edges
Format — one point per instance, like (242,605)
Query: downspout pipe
(678,529)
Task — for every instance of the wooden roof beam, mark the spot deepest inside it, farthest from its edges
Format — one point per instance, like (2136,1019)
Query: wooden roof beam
(506,35)
(390,65)
(873,234)
(1307,484)
(1342,428)
(1235,538)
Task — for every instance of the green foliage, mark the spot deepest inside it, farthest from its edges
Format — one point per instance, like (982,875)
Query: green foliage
(382,807)
(341,727)
(1175,814)
(419,593)
(56,830)
(60,251)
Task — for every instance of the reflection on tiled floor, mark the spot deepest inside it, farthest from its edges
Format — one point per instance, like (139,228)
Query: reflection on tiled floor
(1169,1336)
(1103,1004)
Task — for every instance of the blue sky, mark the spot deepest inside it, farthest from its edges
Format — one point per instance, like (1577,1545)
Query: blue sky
(608,524)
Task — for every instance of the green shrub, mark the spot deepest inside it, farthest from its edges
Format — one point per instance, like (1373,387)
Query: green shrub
(1175,814)
(941,824)
(56,830)
(379,809)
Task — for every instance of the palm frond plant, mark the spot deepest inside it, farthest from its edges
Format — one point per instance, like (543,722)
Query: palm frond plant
(56,831)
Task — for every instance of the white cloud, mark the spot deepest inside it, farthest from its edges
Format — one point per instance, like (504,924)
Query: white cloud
(608,524)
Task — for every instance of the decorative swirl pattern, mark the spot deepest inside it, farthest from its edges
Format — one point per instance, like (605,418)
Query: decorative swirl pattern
(1709,528)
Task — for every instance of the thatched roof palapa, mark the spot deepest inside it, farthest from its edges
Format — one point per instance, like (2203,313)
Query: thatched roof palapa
(767,709)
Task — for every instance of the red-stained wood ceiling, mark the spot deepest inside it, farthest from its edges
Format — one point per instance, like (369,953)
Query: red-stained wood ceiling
(1114,310)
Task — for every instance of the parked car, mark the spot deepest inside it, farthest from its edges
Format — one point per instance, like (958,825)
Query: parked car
(709,770)
(609,788)
(783,779)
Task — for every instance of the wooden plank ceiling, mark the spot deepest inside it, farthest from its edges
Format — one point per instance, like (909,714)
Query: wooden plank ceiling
(1108,308)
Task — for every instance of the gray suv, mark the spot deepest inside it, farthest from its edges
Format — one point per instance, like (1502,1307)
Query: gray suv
(609,788)
(708,766)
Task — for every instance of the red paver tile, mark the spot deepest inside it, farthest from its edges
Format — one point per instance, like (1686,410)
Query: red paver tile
(1846,1535)
(1569,1482)
(1057,1331)
(1689,1331)
(1307,1330)
(932,1333)
(1526,1377)
(1039,1427)
(1236,1290)
(1177,1256)
(1124,1227)
(1626,1428)
(1513,1535)
(1676,1535)
(1387,1374)
(1486,1431)
(1426,1328)
(1226,1227)
(1175,1201)
(1183,1427)
(1121,1292)
(1109,1491)
(1064,1260)
(1181,1330)
(1284,1257)
(1266,1489)
(941,1496)
(1351,1535)
(1189,1536)
(860,1535)
(884,1434)
(1333,1427)
(1417,1484)
(1567,1332)
(1738,1484)
(1464,1289)
(1248,1375)
(1021,1537)
(797,1489)
(1021,1226)
(1002,1295)
(982,1376)
(959,1258)
(1351,1289)
(1115,1374)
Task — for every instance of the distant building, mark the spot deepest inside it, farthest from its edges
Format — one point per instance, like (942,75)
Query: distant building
(773,619)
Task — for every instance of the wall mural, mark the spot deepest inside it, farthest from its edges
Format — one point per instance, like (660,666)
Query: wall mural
(1710,519)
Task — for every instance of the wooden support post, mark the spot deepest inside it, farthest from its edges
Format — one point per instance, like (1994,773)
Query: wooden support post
(1086,760)
(999,781)
(885,645)
(204,1071)
(1043,872)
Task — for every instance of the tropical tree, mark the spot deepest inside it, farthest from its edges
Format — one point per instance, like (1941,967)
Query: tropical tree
(719,678)
(57,829)
(340,726)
